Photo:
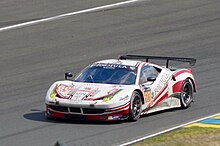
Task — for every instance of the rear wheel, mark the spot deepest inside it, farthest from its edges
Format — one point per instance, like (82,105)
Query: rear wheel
(135,106)
(186,95)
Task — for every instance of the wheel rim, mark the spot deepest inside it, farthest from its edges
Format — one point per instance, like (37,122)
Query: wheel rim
(187,93)
(136,106)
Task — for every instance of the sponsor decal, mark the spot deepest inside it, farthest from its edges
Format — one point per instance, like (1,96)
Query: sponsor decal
(94,92)
(110,118)
(160,85)
(91,94)
(80,94)
(124,98)
(111,66)
(115,117)
(64,91)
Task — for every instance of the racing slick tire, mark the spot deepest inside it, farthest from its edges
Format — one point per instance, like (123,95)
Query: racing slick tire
(186,95)
(135,106)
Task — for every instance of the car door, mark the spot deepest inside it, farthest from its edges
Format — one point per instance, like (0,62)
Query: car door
(148,82)
(156,92)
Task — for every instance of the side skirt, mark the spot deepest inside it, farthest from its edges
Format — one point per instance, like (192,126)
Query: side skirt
(170,102)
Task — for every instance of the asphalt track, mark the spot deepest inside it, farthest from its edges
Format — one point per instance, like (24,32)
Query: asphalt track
(33,57)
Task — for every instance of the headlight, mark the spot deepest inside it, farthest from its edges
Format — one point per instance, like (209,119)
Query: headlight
(109,97)
(53,93)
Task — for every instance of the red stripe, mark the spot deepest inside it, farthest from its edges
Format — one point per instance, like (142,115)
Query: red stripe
(102,117)
(177,86)
(143,65)
(182,71)
(119,108)
(137,65)
(161,99)
(158,95)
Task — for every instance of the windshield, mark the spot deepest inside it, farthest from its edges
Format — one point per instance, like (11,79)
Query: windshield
(108,74)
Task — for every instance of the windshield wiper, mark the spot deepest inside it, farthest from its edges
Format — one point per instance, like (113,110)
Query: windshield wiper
(91,78)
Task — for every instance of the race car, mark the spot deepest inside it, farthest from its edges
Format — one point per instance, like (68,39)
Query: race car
(123,88)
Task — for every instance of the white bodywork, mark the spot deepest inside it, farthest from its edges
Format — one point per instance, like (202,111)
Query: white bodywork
(160,94)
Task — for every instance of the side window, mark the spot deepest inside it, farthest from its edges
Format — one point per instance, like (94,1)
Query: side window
(148,71)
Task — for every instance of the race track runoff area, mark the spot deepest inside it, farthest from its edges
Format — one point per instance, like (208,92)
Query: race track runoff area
(205,132)
(213,122)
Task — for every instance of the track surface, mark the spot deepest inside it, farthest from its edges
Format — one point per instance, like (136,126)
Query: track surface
(34,57)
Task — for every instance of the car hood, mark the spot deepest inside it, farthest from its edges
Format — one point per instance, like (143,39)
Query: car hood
(86,91)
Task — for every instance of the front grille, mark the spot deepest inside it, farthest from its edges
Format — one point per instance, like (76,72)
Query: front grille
(75,117)
(93,111)
(58,108)
(75,110)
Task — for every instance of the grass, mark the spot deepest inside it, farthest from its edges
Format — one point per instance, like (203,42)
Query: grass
(191,136)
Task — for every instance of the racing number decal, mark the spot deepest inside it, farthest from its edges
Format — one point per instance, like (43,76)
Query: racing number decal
(147,94)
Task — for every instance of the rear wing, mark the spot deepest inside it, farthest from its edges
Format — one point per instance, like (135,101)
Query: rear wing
(191,61)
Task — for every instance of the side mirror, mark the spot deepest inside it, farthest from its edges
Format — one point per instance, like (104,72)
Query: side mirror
(68,75)
(151,79)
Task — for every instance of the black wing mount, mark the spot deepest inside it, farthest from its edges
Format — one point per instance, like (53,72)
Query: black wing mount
(191,61)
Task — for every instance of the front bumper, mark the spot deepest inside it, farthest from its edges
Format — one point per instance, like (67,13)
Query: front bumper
(81,113)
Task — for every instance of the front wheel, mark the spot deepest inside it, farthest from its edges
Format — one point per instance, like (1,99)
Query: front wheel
(135,106)
(186,95)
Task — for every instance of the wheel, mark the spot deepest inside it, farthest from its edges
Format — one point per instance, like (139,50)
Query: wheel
(135,106)
(186,95)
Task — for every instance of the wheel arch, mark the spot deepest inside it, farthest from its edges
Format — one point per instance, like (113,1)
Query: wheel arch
(142,96)
(177,87)
(193,82)
(186,100)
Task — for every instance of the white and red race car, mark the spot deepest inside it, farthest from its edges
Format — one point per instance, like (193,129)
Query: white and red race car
(124,88)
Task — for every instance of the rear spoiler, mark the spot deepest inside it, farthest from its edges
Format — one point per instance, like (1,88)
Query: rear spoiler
(191,61)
